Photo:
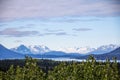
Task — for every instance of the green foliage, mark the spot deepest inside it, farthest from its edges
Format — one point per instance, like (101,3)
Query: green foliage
(88,70)
(32,71)
(10,74)
(29,72)
(1,75)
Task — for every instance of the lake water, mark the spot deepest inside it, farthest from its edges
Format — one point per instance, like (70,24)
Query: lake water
(66,59)
(78,60)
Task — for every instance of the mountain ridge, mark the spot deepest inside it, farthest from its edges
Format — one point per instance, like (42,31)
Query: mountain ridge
(36,49)
(109,55)
(9,54)
(40,49)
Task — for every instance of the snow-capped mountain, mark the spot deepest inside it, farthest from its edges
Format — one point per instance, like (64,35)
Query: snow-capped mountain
(40,49)
(81,50)
(21,49)
(36,49)
(87,50)
(104,49)
(110,55)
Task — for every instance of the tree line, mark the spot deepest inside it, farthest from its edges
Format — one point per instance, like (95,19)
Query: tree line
(86,70)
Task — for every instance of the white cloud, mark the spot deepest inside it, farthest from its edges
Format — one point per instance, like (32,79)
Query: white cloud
(15,9)
(13,32)
(82,29)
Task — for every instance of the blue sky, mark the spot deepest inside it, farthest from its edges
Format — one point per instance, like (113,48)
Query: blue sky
(59,23)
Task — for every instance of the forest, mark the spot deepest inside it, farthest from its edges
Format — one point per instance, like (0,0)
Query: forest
(39,69)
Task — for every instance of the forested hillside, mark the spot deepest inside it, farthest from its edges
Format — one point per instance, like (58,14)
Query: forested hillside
(32,69)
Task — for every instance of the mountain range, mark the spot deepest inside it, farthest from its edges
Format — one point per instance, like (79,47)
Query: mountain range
(39,51)
(110,55)
(36,49)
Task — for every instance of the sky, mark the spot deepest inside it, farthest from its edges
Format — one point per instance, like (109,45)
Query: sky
(59,23)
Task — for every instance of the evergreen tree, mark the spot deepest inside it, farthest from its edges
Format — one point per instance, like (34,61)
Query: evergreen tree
(88,70)
(19,75)
(10,74)
(31,70)
(1,75)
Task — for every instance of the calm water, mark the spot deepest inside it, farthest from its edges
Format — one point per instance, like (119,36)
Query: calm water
(70,59)
(66,59)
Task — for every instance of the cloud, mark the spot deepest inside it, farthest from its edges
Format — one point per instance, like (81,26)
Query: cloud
(61,33)
(17,32)
(13,32)
(81,20)
(53,30)
(71,19)
(54,33)
(15,9)
(81,29)
(24,27)
(57,32)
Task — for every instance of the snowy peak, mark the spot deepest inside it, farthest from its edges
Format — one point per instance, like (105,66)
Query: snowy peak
(104,49)
(107,47)
(38,49)
(22,49)
(33,49)
(81,50)
(87,50)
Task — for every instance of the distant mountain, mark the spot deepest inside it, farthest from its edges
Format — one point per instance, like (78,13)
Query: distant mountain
(87,50)
(8,54)
(110,55)
(56,53)
(44,52)
(36,49)
(104,49)
(81,50)
(39,49)
(21,49)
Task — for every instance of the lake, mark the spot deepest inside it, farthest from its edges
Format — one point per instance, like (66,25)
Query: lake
(71,59)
